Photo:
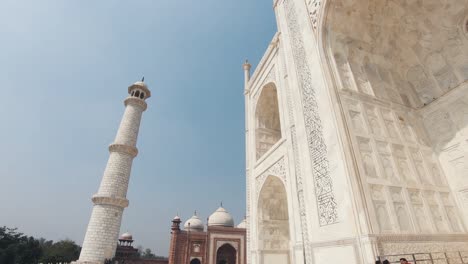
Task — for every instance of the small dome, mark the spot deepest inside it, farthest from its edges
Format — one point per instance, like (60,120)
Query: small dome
(195,224)
(140,83)
(242,224)
(176,218)
(126,236)
(221,217)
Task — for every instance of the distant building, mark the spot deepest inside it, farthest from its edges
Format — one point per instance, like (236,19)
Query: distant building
(221,243)
(127,254)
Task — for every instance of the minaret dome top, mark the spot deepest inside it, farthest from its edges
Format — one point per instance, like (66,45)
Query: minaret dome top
(139,88)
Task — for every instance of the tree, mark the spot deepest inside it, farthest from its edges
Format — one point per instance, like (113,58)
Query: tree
(140,250)
(18,248)
(147,254)
(61,251)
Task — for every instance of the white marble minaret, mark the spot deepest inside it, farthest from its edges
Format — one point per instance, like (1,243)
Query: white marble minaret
(104,226)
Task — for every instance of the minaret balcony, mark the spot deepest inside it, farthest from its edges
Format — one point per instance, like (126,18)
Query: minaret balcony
(106,200)
(132,151)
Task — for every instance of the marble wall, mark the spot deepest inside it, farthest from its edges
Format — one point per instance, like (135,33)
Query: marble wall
(392,59)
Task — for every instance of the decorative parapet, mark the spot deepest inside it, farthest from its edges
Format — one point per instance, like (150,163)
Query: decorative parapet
(105,200)
(129,150)
(420,243)
(421,237)
(137,102)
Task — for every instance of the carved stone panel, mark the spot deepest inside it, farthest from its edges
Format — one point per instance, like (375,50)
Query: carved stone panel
(374,121)
(390,124)
(367,156)
(277,169)
(381,208)
(403,164)
(327,207)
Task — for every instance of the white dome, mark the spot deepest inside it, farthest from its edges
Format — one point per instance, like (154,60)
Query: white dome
(195,224)
(221,217)
(140,83)
(126,236)
(242,224)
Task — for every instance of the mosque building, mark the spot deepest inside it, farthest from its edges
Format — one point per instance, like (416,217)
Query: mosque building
(221,243)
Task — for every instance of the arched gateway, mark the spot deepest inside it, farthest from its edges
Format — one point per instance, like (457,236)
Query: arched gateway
(226,254)
(273,223)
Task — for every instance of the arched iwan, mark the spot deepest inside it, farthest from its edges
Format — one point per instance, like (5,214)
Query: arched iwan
(273,223)
(267,120)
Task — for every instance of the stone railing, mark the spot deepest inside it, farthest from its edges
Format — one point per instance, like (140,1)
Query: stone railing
(449,257)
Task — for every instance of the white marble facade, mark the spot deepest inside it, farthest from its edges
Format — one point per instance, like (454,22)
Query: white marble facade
(357,132)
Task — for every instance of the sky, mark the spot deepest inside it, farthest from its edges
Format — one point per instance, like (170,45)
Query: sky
(64,71)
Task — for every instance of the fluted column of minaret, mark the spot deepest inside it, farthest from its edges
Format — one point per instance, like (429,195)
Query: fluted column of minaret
(103,229)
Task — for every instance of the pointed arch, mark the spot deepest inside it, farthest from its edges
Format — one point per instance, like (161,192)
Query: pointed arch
(267,120)
(226,254)
(273,233)
(195,261)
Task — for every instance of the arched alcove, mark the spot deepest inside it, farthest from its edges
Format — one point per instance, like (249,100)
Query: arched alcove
(403,56)
(414,66)
(226,254)
(268,126)
(273,223)
(195,261)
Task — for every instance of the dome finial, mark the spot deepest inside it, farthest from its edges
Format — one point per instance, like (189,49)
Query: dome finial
(221,204)
(194,223)
(195,212)
(143,79)
(221,217)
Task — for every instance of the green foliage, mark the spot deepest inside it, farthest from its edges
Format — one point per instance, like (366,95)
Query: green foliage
(147,254)
(17,248)
(61,251)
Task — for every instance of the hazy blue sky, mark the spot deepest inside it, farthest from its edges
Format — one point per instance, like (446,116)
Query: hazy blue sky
(64,71)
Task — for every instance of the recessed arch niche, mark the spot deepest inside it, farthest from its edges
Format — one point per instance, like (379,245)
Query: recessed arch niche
(226,254)
(273,223)
(195,261)
(267,120)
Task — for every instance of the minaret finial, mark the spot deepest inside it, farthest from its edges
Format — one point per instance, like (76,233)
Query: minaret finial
(143,79)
